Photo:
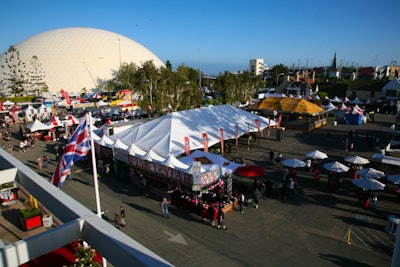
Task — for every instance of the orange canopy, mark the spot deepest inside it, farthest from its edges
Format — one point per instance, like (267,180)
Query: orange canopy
(289,104)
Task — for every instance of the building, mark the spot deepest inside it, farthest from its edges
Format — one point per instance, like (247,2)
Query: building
(256,66)
(76,58)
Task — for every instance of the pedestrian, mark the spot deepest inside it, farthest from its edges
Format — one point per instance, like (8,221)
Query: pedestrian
(39,162)
(9,147)
(271,155)
(317,177)
(164,207)
(117,220)
(122,216)
(279,158)
(241,202)
(45,161)
(221,219)
(69,176)
(257,197)
(374,198)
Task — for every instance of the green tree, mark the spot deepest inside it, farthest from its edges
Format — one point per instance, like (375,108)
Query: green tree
(37,75)
(168,65)
(14,71)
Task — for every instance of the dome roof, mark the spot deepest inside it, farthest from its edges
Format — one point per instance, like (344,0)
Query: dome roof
(74,58)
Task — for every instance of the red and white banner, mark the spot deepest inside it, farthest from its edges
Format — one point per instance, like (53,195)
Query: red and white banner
(187,146)
(278,124)
(66,96)
(237,136)
(205,142)
(258,126)
(269,126)
(221,139)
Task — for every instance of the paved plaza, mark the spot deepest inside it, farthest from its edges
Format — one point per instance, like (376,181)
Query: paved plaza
(310,229)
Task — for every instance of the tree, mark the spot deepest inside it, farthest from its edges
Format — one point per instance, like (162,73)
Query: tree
(15,75)
(168,65)
(36,76)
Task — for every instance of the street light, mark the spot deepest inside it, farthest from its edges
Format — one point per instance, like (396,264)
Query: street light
(277,78)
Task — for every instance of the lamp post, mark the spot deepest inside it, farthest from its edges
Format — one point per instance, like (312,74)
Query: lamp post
(277,78)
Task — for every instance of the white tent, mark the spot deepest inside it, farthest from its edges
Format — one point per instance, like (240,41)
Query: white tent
(336,100)
(8,103)
(37,126)
(213,160)
(166,134)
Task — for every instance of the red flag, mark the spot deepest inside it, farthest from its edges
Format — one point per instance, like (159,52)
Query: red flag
(237,136)
(205,142)
(221,139)
(1,105)
(78,146)
(187,146)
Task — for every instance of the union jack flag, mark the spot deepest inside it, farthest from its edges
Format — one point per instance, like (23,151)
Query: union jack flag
(78,146)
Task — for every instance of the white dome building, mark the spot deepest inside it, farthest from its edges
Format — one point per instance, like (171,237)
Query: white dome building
(75,58)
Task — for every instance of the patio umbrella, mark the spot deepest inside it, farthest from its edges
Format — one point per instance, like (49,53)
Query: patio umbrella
(394,178)
(316,154)
(335,167)
(369,184)
(293,163)
(356,160)
(250,171)
(371,173)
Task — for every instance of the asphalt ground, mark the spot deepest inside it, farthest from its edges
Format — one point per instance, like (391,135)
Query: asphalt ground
(311,229)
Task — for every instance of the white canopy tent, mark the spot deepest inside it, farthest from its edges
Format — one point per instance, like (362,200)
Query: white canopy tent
(37,126)
(165,135)
(213,160)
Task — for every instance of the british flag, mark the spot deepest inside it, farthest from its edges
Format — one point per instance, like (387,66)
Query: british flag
(78,146)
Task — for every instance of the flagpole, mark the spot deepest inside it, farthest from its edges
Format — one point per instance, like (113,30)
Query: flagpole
(94,165)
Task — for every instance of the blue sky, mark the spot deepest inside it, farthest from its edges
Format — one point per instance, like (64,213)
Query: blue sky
(223,35)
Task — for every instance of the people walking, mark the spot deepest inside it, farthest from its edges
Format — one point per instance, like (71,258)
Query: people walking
(117,220)
(122,216)
(39,162)
(221,219)
(241,202)
(164,207)
(257,197)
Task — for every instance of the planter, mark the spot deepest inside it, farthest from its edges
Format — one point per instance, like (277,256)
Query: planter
(30,218)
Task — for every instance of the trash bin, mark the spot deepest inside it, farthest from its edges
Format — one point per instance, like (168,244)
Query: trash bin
(280,133)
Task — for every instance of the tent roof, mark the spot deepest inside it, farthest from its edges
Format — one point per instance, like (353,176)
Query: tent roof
(37,125)
(166,134)
(211,161)
(290,104)
(8,103)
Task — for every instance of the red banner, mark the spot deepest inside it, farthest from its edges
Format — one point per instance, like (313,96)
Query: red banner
(278,124)
(187,146)
(205,142)
(258,126)
(237,136)
(1,105)
(221,139)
